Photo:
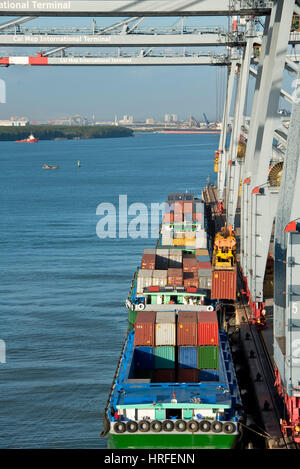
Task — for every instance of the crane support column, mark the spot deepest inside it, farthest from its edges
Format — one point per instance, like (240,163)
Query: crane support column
(287,277)
(264,120)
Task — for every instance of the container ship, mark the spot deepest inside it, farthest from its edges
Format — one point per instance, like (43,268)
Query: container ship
(175,385)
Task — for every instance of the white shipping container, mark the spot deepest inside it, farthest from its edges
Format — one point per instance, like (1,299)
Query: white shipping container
(165,328)
(144,280)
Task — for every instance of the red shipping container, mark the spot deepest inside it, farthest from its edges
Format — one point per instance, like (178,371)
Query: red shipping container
(148,261)
(145,329)
(178,217)
(190,279)
(204,265)
(223,285)
(178,207)
(190,264)
(208,328)
(168,217)
(175,276)
(164,376)
(188,207)
(188,375)
(187,328)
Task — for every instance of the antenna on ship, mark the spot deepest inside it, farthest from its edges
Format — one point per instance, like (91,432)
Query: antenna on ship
(174,400)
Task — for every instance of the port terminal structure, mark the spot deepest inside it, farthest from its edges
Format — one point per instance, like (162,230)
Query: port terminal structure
(258,173)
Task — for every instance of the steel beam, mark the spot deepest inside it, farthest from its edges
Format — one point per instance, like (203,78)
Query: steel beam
(16,22)
(239,116)
(134,8)
(118,40)
(223,151)
(118,60)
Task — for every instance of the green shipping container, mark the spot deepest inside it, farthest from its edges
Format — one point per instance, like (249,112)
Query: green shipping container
(164,357)
(208,357)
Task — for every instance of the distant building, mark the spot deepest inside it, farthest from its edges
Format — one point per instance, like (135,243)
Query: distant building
(150,120)
(174,118)
(167,118)
(14,123)
(127,120)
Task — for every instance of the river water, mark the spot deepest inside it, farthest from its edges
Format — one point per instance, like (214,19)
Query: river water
(63,289)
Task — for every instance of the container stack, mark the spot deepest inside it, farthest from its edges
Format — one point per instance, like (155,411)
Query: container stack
(204,268)
(182,348)
(183,223)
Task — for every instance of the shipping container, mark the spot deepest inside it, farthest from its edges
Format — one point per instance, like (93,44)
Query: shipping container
(164,376)
(145,329)
(208,375)
(190,279)
(188,207)
(208,328)
(143,358)
(144,280)
(149,251)
(164,357)
(178,217)
(159,278)
(148,261)
(187,357)
(162,259)
(205,282)
(178,207)
(175,259)
(202,252)
(189,264)
(188,375)
(168,218)
(175,276)
(208,357)
(187,328)
(223,285)
(204,266)
(188,217)
(165,328)
(202,259)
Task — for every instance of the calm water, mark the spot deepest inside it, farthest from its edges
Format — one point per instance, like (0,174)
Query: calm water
(62,288)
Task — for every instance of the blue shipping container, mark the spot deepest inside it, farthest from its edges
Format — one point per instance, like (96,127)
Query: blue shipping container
(143,358)
(188,357)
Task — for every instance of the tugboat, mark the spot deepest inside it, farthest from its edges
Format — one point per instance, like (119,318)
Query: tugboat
(47,166)
(30,139)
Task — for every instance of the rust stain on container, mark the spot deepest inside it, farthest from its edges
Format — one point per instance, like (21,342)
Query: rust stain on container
(223,285)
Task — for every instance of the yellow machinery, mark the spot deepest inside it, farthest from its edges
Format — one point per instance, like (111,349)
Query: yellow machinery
(224,255)
(216,164)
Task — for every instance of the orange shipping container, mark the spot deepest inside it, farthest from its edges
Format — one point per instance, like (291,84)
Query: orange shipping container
(187,328)
(223,285)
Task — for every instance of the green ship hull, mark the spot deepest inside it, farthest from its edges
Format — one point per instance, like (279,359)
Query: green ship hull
(172,441)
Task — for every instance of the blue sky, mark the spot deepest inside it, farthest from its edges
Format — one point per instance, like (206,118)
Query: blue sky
(53,92)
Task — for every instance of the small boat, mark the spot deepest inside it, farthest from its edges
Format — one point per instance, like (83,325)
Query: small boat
(78,164)
(47,166)
(30,139)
